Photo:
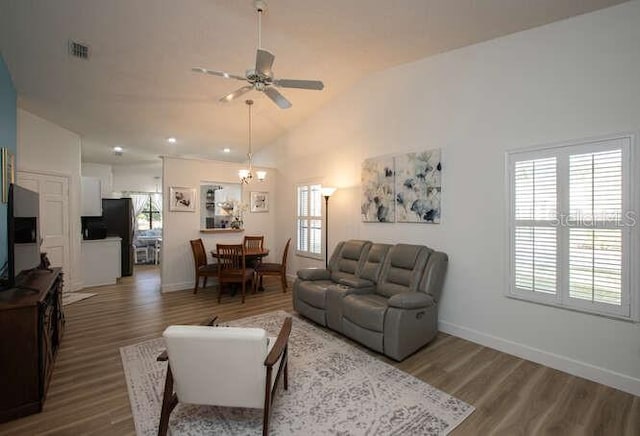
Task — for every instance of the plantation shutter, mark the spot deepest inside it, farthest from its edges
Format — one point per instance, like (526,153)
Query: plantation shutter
(309,220)
(595,238)
(535,244)
(572,225)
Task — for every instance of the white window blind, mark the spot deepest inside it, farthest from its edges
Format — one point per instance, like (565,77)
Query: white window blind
(309,220)
(570,225)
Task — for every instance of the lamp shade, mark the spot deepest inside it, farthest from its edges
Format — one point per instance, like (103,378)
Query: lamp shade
(261,175)
(328,192)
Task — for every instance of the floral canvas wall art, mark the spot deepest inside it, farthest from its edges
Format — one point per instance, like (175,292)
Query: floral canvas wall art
(377,204)
(418,187)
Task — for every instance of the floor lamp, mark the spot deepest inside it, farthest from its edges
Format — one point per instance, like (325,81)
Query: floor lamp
(326,193)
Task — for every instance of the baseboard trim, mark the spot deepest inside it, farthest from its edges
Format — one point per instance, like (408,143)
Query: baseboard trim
(173,287)
(562,363)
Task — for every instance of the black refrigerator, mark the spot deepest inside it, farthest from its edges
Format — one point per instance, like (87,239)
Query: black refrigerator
(118,219)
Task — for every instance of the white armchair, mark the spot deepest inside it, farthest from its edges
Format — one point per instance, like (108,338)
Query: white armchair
(223,366)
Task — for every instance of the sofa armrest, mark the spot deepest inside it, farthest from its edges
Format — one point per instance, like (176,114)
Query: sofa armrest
(314,274)
(411,300)
(355,282)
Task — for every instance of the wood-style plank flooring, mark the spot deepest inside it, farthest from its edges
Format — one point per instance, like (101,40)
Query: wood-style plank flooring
(512,396)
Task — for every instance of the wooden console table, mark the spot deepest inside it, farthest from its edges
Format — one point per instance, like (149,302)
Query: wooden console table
(31,328)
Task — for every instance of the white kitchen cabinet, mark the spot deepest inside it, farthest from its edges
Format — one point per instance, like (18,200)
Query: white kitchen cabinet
(101,261)
(91,196)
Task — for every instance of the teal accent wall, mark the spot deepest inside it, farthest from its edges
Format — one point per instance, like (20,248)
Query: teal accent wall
(7,139)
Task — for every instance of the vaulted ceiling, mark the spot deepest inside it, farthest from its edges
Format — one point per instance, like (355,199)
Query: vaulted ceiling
(137,88)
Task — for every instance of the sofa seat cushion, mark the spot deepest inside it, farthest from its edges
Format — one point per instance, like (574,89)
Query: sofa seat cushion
(314,293)
(366,310)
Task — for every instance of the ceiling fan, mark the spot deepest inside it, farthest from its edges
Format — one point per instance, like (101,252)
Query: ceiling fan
(261,77)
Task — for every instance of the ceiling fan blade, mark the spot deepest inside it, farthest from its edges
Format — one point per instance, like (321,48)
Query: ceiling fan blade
(217,73)
(277,98)
(237,93)
(301,84)
(264,62)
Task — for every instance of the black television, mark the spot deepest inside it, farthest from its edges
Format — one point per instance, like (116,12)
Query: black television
(23,234)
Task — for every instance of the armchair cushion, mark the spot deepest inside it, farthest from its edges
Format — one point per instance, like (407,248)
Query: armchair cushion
(366,310)
(314,274)
(193,352)
(411,300)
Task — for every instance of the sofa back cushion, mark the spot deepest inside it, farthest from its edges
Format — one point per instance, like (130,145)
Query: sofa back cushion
(402,269)
(434,272)
(374,261)
(349,259)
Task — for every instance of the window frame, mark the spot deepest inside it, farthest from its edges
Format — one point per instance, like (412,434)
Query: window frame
(630,238)
(309,218)
(150,213)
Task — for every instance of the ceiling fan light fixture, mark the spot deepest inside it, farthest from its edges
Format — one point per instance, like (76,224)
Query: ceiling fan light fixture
(261,78)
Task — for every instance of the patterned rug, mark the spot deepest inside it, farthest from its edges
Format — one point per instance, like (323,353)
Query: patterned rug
(334,388)
(74,297)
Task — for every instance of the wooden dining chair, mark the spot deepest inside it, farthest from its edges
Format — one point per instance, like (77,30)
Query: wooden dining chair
(275,269)
(202,268)
(232,267)
(254,243)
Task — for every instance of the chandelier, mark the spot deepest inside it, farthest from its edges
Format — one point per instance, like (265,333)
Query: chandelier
(246,175)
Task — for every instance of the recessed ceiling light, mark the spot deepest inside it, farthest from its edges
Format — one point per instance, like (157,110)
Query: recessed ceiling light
(118,149)
(171,140)
(227,150)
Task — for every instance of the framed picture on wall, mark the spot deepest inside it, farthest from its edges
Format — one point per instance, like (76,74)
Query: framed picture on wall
(8,172)
(259,202)
(182,199)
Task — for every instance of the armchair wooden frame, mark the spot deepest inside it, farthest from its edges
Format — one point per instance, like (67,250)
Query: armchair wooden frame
(280,351)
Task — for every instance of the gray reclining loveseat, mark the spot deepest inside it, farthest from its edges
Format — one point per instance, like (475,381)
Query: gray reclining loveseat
(387,301)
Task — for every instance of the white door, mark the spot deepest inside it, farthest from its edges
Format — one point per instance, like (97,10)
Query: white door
(54,215)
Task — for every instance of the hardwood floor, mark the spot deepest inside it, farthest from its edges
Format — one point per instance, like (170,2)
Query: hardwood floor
(512,396)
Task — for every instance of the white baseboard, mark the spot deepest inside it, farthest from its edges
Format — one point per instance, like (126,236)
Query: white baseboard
(561,363)
(76,286)
(172,287)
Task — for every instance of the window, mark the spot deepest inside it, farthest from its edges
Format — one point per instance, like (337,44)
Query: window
(150,216)
(309,220)
(570,226)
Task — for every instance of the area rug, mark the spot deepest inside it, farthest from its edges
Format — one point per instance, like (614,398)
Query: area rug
(74,297)
(334,388)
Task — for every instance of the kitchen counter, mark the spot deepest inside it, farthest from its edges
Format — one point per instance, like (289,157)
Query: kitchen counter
(101,261)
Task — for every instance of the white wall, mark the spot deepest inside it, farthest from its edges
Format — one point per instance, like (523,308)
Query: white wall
(102,172)
(47,148)
(138,178)
(571,79)
(180,227)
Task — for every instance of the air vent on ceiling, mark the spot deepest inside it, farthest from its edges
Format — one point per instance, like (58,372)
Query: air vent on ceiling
(78,50)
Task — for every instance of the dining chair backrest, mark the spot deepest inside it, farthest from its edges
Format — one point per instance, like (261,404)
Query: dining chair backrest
(253,242)
(199,253)
(230,257)
(285,253)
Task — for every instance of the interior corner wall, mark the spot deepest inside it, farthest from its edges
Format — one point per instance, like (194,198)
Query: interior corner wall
(571,79)
(178,228)
(102,172)
(46,148)
(8,140)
